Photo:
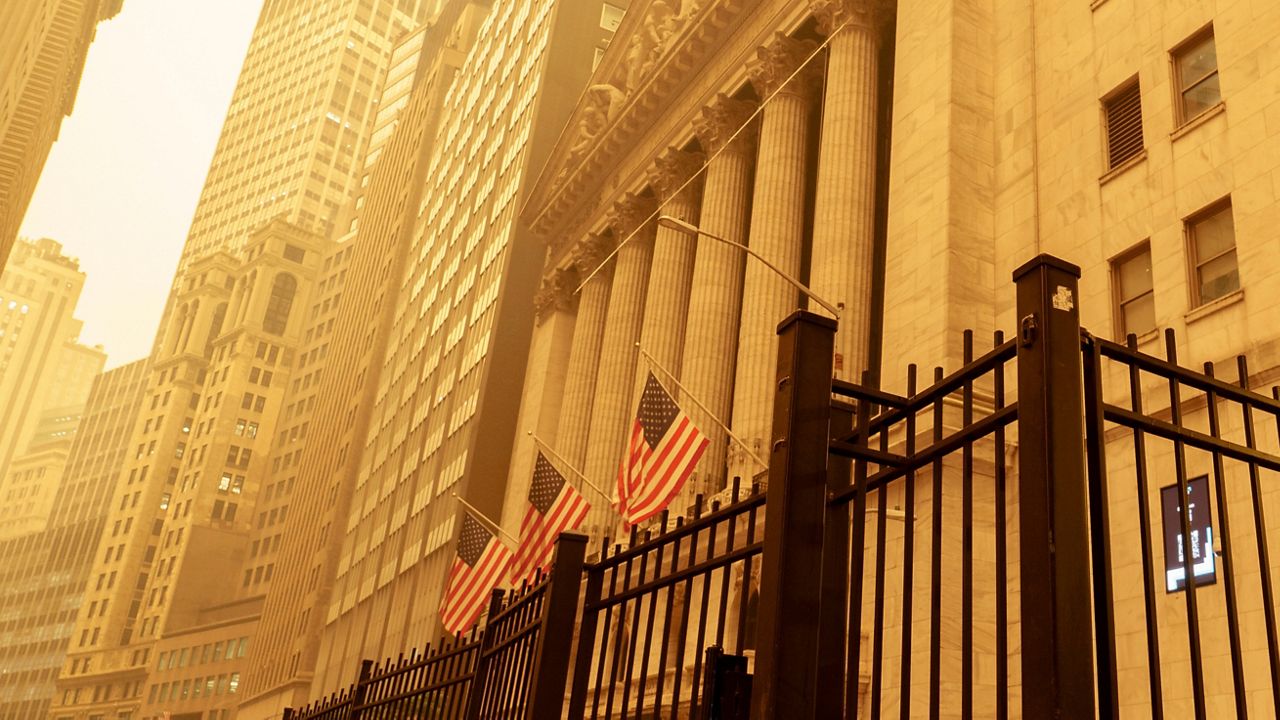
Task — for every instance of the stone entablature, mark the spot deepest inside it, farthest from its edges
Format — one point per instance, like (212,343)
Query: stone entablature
(596,159)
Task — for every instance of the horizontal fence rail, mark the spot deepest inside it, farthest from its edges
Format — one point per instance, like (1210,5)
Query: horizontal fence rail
(919,466)
(651,610)
(1159,432)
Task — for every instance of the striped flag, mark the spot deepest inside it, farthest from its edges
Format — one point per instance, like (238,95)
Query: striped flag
(664,449)
(554,507)
(480,566)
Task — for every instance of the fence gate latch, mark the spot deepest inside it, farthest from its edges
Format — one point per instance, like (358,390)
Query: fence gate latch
(1027,330)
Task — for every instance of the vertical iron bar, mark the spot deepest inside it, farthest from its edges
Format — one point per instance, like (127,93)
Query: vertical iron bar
(1260,533)
(1057,613)
(857,560)
(667,623)
(1002,560)
(935,569)
(832,636)
(1228,553)
(683,627)
(1146,532)
(908,547)
(966,542)
(638,602)
(555,638)
(1184,526)
(362,688)
(877,619)
(648,630)
(586,639)
(1100,534)
(696,678)
(786,678)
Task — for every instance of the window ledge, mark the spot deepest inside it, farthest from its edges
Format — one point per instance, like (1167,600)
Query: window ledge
(1214,306)
(1199,120)
(1146,337)
(1120,169)
(1097,4)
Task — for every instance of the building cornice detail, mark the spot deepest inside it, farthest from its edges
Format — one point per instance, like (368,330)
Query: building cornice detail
(630,212)
(556,293)
(672,169)
(869,15)
(774,64)
(720,121)
(630,84)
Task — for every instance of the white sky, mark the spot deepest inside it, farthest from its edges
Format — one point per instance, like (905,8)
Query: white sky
(122,181)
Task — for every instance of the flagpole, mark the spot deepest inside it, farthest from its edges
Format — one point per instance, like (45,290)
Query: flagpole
(556,456)
(484,517)
(694,400)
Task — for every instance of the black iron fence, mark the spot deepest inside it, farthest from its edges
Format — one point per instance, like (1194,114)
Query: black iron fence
(907,537)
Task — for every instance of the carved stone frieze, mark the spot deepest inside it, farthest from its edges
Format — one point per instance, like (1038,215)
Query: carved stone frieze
(672,168)
(628,213)
(869,15)
(591,252)
(720,120)
(775,63)
(556,293)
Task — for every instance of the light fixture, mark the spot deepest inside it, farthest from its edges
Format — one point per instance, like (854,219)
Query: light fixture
(673,223)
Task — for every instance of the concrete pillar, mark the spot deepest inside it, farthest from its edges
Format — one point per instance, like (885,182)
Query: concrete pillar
(584,356)
(671,276)
(777,234)
(844,207)
(555,306)
(614,402)
(715,303)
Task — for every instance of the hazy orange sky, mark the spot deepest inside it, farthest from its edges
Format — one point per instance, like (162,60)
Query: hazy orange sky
(123,178)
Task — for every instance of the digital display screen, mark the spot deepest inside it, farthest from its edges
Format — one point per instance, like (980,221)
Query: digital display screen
(1199,519)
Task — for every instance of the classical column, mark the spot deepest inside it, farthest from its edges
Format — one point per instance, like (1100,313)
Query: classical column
(711,335)
(584,356)
(777,234)
(613,410)
(844,207)
(544,385)
(667,304)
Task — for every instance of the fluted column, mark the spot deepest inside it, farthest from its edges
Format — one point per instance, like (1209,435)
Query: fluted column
(715,303)
(671,277)
(777,234)
(844,206)
(612,409)
(584,356)
(544,384)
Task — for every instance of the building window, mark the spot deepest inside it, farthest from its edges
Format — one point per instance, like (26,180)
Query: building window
(1133,290)
(1195,70)
(1122,113)
(294,253)
(1211,241)
(279,304)
(611,17)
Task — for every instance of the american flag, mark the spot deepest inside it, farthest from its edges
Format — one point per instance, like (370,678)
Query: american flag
(665,448)
(481,564)
(554,507)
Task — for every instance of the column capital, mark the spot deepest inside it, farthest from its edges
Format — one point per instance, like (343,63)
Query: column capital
(590,252)
(774,63)
(629,212)
(556,292)
(672,168)
(720,120)
(864,14)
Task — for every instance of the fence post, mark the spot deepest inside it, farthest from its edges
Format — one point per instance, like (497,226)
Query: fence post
(475,694)
(555,639)
(1057,644)
(786,671)
(360,690)
(287,714)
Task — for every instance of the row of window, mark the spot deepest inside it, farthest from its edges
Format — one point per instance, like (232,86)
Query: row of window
(1212,269)
(200,654)
(1197,90)
(208,686)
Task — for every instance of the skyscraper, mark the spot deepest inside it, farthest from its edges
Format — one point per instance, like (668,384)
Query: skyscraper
(227,347)
(44,575)
(42,51)
(444,406)
(333,415)
(42,366)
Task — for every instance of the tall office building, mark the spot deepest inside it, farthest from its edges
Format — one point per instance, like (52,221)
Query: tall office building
(444,405)
(300,119)
(287,159)
(43,44)
(42,365)
(333,414)
(44,575)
